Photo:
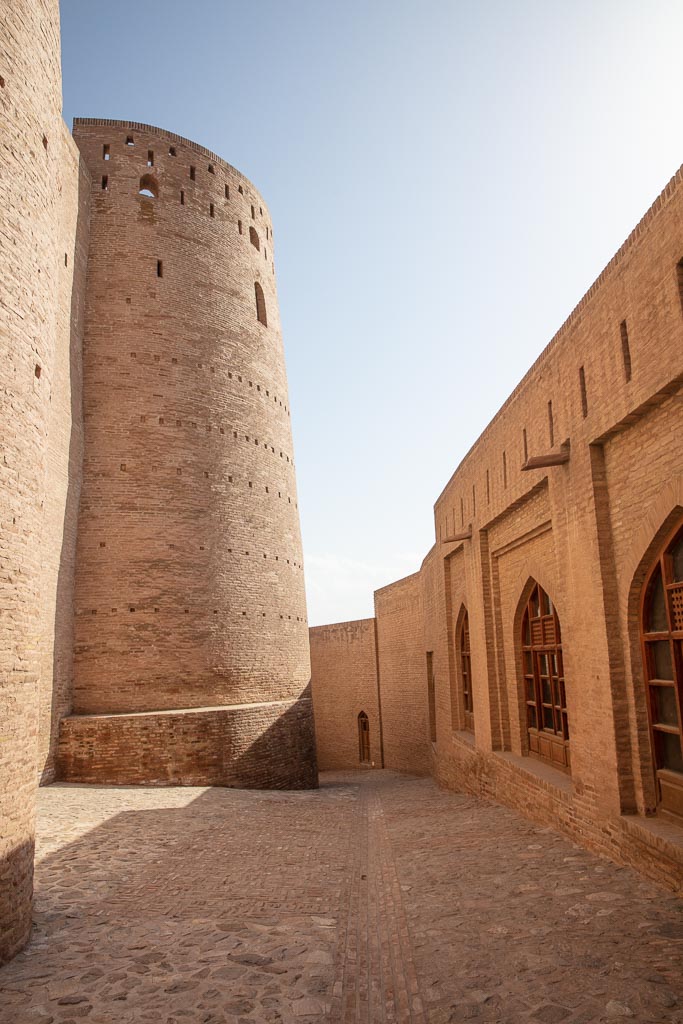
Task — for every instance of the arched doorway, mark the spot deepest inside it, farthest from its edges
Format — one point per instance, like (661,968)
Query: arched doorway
(544,692)
(661,631)
(363,738)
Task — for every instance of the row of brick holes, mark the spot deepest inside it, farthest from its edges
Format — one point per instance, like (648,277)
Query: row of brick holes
(136,608)
(626,357)
(231,480)
(231,376)
(130,142)
(202,547)
(221,430)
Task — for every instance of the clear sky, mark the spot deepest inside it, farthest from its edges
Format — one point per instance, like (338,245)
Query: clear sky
(446,179)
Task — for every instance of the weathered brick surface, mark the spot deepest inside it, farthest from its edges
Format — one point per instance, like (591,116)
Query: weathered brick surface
(399,612)
(344,684)
(268,746)
(587,531)
(189,576)
(30,173)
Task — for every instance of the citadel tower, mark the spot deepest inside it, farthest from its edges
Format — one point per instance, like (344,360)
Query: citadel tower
(191,646)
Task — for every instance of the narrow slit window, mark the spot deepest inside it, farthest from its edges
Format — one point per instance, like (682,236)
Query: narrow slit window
(584,395)
(150,158)
(171,151)
(211,170)
(105,152)
(160,268)
(182,197)
(240,190)
(211,210)
(239,226)
(488,488)
(551,425)
(227,191)
(129,140)
(192,174)
(525,445)
(505,470)
(625,350)
(105,182)
(253,214)
(260,305)
(254,238)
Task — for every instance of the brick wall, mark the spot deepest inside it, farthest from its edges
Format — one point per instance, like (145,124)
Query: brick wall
(30,151)
(189,577)
(403,675)
(607,389)
(263,746)
(344,684)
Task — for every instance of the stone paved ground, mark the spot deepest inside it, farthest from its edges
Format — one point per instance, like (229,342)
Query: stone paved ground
(378,899)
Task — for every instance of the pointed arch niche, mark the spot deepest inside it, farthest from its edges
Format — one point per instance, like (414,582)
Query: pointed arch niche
(463,698)
(364,739)
(547,723)
(661,637)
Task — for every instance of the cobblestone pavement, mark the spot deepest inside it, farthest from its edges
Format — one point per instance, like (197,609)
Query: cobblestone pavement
(379,898)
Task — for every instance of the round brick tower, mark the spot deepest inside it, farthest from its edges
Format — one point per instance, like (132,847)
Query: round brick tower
(191,652)
(30,108)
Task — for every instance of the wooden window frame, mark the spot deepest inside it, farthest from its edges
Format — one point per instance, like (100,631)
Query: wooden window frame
(668,781)
(545,700)
(465,664)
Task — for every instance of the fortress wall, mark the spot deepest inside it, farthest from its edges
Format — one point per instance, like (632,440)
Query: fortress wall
(399,610)
(30,151)
(344,684)
(189,583)
(64,456)
(587,531)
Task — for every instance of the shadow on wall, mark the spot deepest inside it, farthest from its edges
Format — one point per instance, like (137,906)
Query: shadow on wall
(16,884)
(260,746)
(63,626)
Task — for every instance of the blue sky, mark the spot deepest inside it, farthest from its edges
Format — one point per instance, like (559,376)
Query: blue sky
(446,179)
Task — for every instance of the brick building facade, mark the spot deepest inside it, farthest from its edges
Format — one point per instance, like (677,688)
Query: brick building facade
(153,609)
(536,658)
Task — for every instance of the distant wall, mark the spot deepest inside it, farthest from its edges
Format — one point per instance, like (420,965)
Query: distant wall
(399,610)
(344,684)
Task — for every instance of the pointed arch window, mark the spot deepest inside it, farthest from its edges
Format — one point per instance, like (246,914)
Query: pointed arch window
(466,671)
(260,305)
(662,646)
(544,692)
(363,739)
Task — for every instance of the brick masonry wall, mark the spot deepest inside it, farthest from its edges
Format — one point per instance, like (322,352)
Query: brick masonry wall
(344,684)
(587,531)
(263,746)
(189,581)
(64,457)
(30,127)
(403,675)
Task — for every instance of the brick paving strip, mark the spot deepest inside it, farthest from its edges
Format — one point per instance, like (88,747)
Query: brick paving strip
(378,898)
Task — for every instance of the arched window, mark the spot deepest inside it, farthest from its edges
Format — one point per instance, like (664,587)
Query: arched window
(662,642)
(260,305)
(363,739)
(149,186)
(254,238)
(466,671)
(544,693)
